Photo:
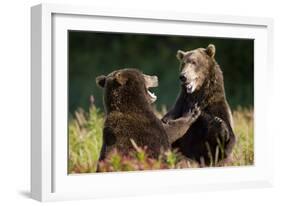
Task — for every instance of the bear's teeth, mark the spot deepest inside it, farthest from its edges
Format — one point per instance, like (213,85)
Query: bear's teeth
(189,88)
(151,94)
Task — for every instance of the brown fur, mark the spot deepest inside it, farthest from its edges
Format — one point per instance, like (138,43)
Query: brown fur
(211,136)
(129,115)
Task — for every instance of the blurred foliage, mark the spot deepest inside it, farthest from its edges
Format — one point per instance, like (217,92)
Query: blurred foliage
(138,159)
(85,139)
(243,153)
(92,54)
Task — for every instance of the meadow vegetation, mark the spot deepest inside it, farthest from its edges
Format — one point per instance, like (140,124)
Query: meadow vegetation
(85,141)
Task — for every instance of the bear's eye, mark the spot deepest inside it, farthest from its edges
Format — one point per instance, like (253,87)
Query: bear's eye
(193,62)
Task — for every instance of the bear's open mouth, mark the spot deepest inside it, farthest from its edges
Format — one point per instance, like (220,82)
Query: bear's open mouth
(152,96)
(190,87)
(150,82)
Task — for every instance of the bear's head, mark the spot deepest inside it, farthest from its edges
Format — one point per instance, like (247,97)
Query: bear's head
(195,67)
(126,88)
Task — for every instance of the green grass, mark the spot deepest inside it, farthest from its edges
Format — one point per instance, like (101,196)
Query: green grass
(85,140)
(243,153)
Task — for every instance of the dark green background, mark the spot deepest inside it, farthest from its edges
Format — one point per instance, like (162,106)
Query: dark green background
(92,54)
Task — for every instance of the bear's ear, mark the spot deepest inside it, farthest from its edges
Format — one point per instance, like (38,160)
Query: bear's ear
(180,54)
(121,78)
(100,80)
(211,50)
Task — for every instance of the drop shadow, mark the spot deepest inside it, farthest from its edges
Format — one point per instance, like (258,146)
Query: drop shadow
(25,193)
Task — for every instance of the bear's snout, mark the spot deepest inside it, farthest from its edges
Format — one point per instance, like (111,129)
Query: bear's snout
(182,77)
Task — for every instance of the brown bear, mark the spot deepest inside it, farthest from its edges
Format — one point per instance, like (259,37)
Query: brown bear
(129,114)
(210,139)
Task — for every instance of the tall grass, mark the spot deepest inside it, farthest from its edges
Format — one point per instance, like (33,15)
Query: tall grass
(85,140)
(243,153)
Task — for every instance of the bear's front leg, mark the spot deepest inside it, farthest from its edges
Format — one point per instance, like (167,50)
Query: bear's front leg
(169,116)
(175,129)
(175,112)
(220,138)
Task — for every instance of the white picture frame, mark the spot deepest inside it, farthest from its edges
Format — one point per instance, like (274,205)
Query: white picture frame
(49,177)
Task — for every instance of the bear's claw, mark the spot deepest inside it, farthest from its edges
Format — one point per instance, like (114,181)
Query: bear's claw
(219,120)
(193,113)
